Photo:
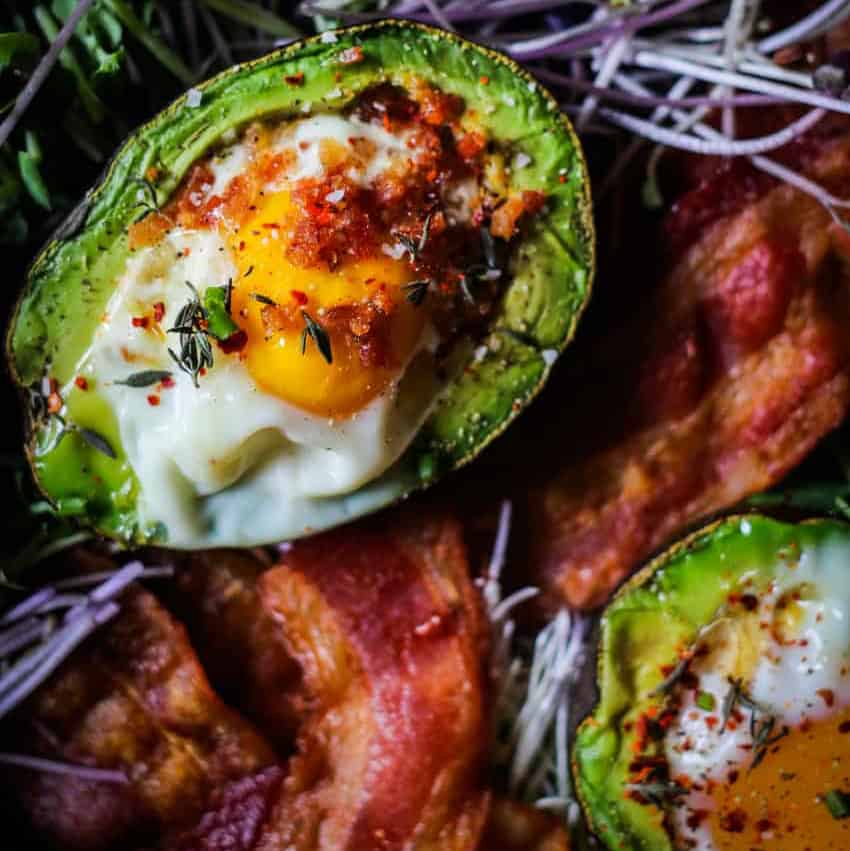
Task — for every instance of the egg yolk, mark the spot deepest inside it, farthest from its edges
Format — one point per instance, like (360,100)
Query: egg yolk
(779,804)
(360,306)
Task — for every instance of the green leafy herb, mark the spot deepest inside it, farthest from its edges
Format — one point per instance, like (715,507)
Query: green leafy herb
(658,792)
(147,200)
(217,308)
(146,378)
(417,290)
(838,803)
(762,721)
(317,333)
(671,680)
(763,736)
(195,350)
(263,299)
(414,247)
(96,441)
(705,700)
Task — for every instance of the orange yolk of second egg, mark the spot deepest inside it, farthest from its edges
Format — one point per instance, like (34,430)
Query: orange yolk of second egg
(779,804)
(332,298)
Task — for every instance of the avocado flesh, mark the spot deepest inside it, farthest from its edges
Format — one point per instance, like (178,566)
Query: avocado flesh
(71,281)
(659,612)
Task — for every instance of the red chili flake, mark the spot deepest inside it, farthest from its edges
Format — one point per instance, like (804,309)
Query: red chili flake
(299,297)
(484,80)
(140,321)
(234,343)
(764,825)
(562,178)
(158,311)
(153,399)
(202,371)
(844,727)
(711,722)
(271,225)
(827,695)
(54,403)
(733,776)
(81,382)
(167,383)
(350,56)
(187,251)
(734,821)
(696,818)
(242,245)
(295,79)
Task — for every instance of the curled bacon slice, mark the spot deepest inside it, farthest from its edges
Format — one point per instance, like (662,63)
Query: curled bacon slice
(360,655)
(134,699)
(386,628)
(734,368)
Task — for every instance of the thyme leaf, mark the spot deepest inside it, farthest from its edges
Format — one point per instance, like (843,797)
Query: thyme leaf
(417,290)
(415,247)
(669,682)
(263,299)
(96,441)
(145,378)
(147,202)
(318,334)
(195,349)
(658,792)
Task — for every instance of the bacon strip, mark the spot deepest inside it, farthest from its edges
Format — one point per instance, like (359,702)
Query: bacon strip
(735,368)
(386,627)
(136,699)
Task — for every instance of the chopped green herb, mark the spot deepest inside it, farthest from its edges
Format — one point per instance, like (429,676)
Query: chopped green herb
(195,349)
(417,290)
(145,378)
(658,792)
(263,299)
(97,441)
(705,700)
(319,336)
(217,309)
(838,803)
(670,681)
(413,246)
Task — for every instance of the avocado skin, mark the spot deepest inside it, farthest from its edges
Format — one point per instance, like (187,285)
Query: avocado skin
(662,608)
(71,280)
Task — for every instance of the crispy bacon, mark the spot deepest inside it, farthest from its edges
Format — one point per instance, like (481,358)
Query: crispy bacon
(241,648)
(135,698)
(386,627)
(361,655)
(736,366)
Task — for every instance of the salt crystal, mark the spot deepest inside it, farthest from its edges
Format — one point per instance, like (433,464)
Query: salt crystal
(329,38)
(193,98)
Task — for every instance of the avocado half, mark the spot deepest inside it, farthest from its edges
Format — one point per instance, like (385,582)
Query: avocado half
(71,280)
(657,614)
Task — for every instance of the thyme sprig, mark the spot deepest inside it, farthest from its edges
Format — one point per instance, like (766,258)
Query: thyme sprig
(318,335)
(196,351)
(762,720)
(658,792)
(416,291)
(672,679)
(147,200)
(145,378)
(415,247)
